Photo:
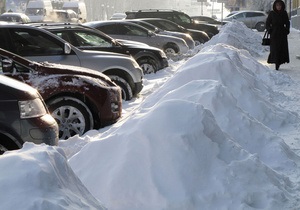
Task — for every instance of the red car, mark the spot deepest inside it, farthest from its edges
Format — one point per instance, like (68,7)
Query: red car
(79,99)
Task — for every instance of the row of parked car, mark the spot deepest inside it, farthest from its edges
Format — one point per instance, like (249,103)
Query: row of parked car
(81,72)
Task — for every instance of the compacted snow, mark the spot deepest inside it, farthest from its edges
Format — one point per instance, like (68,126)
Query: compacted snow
(218,129)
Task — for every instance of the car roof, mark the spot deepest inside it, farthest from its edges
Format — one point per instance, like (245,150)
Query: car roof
(13,14)
(49,26)
(108,22)
(242,11)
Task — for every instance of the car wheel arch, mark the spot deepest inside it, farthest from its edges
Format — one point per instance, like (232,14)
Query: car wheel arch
(171,45)
(82,106)
(113,73)
(9,141)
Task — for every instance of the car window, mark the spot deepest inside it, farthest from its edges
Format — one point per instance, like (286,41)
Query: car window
(2,42)
(108,29)
(183,18)
(240,15)
(135,31)
(34,43)
(86,38)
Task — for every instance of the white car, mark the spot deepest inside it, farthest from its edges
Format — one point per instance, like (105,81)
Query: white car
(252,19)
(119,29)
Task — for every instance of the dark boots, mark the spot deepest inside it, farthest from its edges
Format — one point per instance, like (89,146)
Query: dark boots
(277,66)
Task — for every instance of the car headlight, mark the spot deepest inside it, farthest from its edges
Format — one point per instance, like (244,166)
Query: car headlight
(32,108)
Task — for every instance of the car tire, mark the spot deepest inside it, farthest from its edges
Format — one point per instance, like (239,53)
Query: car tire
(171,49)
(7,144)
(72,115)
(261,26)
(127,93)
(199,42)
(148,65)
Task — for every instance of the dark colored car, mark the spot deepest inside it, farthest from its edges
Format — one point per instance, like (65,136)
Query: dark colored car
(23,116)
(199,37)
(120,29)
(14,17)
(209,20)
(176,16)
(187,38)
(79,99)
(150,59)
(41,45)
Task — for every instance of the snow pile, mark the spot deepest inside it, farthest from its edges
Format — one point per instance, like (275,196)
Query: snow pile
(208,138)
(205,139)
(39,177)
(238,35)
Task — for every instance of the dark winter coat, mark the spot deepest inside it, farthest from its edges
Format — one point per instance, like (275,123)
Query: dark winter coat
(278,25)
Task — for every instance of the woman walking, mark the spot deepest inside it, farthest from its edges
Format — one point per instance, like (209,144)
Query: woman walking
(278,25)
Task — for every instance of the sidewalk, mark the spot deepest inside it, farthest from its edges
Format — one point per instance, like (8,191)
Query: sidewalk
(292,68)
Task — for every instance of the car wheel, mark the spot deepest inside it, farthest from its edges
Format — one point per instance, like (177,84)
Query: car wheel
(148,65)
(72,116)
(171,49)
(124,85)
(198,42)
(2,149)
(261,26)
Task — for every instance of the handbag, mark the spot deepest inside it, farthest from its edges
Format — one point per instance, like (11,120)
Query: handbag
(266,39)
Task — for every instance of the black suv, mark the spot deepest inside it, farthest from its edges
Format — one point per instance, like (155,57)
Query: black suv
(23,116)
(150,59)
(176,16)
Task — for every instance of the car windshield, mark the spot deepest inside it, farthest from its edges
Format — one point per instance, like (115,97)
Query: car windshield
(34,11)
(84,39)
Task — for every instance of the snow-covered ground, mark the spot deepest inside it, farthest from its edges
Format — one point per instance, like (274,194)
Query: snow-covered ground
(218,129)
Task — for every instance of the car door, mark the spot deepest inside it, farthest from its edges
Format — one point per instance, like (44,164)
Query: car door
(38,46)
(251,18)
(131,32)
(242,18)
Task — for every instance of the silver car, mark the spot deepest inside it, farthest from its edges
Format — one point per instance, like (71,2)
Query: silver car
(120,29)
(252,19)
(40,45)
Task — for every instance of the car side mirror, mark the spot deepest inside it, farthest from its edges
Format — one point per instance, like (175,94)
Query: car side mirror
(7,65)
(67,48)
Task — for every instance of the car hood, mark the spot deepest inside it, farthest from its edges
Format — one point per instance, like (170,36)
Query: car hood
(136,45)
(130,43)
(53,68)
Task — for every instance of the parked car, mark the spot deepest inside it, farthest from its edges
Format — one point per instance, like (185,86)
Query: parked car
(176,16)
(199,37)
(40,45)
(119,29)
(186,37)
(118,16)
(79,99)
(23,116)
(14,17)
(150,59)
(252,19)
(209,20)
(65,16)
